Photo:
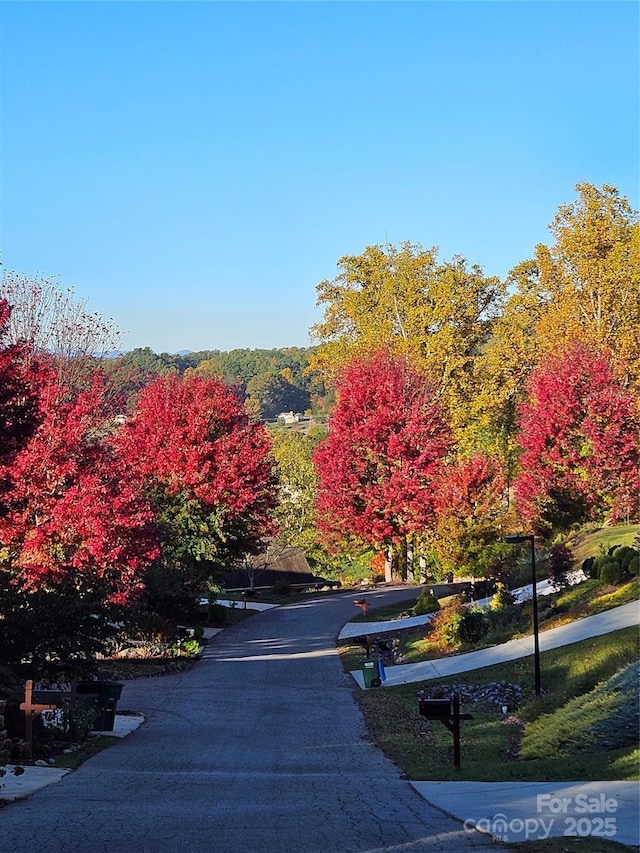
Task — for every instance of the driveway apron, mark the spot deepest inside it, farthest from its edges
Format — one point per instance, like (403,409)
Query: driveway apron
(259,747)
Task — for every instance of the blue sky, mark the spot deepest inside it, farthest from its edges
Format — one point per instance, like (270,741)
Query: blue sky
(195,169)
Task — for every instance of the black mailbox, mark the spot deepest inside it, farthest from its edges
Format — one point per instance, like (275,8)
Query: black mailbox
(448,712)
(436,709)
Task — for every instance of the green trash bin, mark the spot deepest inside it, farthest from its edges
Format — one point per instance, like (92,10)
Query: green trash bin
(371,672)
(106,695)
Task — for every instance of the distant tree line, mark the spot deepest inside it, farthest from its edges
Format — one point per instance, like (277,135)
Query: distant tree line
(270,381)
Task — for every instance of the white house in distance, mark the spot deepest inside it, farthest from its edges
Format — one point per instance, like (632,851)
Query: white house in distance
(290,417)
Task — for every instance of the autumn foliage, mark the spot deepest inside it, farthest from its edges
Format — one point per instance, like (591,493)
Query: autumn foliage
(455,393)
(578,431)
(470,513)
(20,410)
(71,509)
(204,464)
(386,445)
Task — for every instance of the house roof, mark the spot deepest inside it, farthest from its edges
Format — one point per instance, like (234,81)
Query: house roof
(277,564)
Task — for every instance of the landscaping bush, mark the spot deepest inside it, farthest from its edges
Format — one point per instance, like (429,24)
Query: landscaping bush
(624,555)
(472,626)
(426,603)
(609,570)
(618,564)
(188,647)
(606,718)
(502,624)
(218,615)
(145,635)
(58,626)
(589,568)
(502,597)
(560,564)
(444,628)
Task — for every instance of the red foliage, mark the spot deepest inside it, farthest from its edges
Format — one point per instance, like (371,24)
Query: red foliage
(191,436)
(470,506)
(73,507)
(471,489)
(579,437)
(387,440)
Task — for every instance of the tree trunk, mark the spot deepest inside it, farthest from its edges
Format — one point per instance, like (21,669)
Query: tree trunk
(423,569)
(410,561)
(388,564)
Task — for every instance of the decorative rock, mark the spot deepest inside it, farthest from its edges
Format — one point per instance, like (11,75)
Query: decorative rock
(493,693)
(41,763)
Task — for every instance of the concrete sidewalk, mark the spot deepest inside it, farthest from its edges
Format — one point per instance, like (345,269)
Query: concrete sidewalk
(528,811)
(624,616)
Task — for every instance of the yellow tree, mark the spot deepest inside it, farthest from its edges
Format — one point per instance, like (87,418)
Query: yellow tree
(591,275)
(437,314)
(502,370)
(297,487)
(585,286)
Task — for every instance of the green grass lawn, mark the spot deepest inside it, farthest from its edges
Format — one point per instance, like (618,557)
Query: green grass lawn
(87,749)
(491,741)
(593,544)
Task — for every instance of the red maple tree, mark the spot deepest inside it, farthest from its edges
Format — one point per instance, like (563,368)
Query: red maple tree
(470,507)
(580,442)
(205,465)
(73,509)
(387,441)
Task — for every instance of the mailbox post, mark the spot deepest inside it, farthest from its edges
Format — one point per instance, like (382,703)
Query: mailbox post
(31,709)
(363,604)
(448,712)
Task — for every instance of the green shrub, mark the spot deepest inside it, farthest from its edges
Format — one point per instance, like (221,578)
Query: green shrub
(188,647)
(426,603)
(634,565)
(72,723)
(588,567)
(472,626)
(624,555)
(504,623)
(609,570)
(603,719)
(502,597)
(444,628)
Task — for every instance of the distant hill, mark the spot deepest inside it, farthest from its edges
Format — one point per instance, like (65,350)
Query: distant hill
(271,380)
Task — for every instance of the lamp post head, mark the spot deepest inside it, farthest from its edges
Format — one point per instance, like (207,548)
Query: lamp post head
(517,539)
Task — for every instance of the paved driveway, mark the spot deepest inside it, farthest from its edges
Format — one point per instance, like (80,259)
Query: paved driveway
(260,747)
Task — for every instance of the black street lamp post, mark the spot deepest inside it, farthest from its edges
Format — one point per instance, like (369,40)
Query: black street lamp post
(517,540)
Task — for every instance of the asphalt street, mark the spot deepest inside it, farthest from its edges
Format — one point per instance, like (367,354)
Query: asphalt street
(259,747)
